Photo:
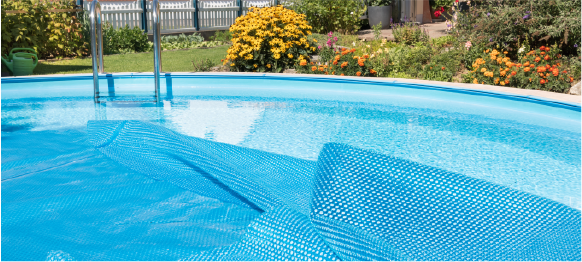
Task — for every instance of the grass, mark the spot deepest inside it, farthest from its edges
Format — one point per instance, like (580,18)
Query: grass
(172,61)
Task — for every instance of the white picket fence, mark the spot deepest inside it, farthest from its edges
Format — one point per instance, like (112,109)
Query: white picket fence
(177,16)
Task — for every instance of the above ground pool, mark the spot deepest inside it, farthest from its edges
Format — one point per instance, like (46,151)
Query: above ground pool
(253,166)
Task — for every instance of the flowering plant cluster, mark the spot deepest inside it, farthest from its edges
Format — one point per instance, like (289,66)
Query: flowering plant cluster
(345,63)
(538,69)
(269,39)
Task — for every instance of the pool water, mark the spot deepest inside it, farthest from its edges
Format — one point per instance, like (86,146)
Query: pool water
(529,145)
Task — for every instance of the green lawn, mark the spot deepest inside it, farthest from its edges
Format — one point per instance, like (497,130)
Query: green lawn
(172,61)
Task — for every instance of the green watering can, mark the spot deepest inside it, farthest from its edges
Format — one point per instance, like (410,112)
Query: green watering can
(21,63)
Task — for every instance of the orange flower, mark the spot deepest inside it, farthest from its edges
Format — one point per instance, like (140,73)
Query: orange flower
(530,79)
(532,65)
(343,49)
(505,52)
(541,69)
(518,65)
(326,72)
(372,71)
(443,68)
(335,62)
(366,56)
(547,49)
(555,72)
(313,68)
(359,73)
(543,48)
(344,64)
(321,69)
(507,81)
(542,81)
(526,69)
(526,64)
(547,74)
(342,74)
(312,63)
(502,83)
(496,80)
(565,72)
(502,73)
(353,50)
(537,59)
(542,53)
(361,62)
(571,79)
(303,63)
(487,51)
(513,73)
(333,73)
(547,57)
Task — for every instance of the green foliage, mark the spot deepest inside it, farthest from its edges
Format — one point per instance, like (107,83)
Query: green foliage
(379,2)
(443,41)
(124,40)
(377,31)
(185,42)
(345,63)
(441,3)
(222,36)
(409,33)
(402,59)
(202,65)
(443,66)
(49,33)
(330,15)
(508,23)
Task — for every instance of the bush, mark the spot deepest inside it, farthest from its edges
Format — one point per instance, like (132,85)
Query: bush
(50,34)
(509,23)
(409,33)
(442,67)
(330,15)
(540,69)
(124,40)
(269,39)
(203,65)
(434,4)
(402,59)
(345,63)
(222,36)
(186,41)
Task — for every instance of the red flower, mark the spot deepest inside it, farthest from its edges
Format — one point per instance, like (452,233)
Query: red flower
(443,68)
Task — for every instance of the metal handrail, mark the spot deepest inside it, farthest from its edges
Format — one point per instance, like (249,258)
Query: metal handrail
(96,45)
(157,47)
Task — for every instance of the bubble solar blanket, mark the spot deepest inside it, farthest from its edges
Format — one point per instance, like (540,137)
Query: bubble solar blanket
(130,190)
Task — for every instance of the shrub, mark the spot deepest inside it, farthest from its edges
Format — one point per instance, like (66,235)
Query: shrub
(269,39)
(186,41)
(124,40)
(345,63)
(540,69)
(442,66)
(399,59)
(509,23)
(409,33)
(330,15)
(50,34)
(222,36)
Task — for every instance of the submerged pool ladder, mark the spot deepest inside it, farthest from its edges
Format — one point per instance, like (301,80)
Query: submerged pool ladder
(97,46)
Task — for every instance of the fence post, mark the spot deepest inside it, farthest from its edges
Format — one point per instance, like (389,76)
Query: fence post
(144,16)
(196,22)
(239,3)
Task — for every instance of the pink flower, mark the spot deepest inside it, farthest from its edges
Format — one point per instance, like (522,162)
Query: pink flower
(468,45)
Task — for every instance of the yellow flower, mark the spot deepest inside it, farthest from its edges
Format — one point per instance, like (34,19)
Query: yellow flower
(290,55)
(268,65)
(277,56)
(255,65)
(475,81)
(483,69)
(232,64)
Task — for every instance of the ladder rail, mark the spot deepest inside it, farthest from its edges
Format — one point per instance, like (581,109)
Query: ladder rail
(157,47)
(96,45)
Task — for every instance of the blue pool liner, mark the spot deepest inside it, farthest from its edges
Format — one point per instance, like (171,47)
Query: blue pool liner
(130,190)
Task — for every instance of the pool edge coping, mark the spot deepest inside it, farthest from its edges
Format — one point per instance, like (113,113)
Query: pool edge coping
(538,96)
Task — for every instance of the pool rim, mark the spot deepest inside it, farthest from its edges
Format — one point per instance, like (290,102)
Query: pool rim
(311,78)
